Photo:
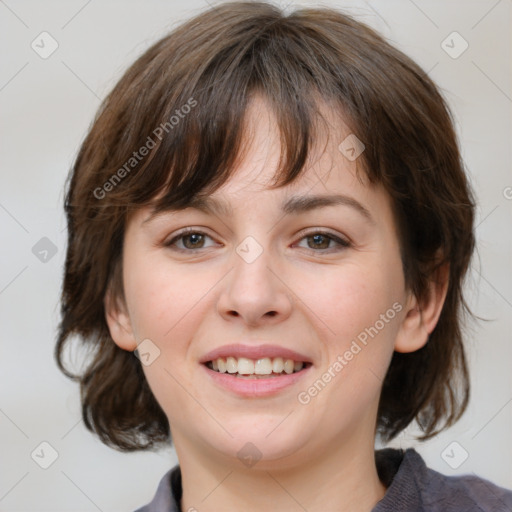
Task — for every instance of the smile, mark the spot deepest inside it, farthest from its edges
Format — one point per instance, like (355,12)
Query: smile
(251,370)
(244,367)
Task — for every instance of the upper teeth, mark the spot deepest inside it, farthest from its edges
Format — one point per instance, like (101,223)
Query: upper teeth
(264,366)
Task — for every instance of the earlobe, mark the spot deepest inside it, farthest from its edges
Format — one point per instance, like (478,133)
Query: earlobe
(421,317)
(119,324)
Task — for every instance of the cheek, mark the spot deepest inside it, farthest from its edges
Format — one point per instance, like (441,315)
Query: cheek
(166,306)
(160,298)
(353,298)
(359,308)
(360,311)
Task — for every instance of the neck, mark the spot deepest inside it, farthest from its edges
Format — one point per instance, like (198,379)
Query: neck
(344,479)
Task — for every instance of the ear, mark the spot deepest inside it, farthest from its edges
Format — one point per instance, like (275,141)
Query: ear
(421,317)
(119,324)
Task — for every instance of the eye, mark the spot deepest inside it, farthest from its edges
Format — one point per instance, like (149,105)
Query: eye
(190,239)
(320,241)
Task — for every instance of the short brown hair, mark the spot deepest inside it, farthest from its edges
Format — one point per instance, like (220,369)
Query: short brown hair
(214,63)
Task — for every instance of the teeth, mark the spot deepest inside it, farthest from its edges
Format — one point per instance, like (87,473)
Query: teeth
(245,366)
(288,366)
(278,365)
(231,365)
(263,366)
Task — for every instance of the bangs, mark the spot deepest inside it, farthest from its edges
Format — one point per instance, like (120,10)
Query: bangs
(201,138)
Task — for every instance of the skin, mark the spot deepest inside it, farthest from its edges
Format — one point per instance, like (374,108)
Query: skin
(317,456)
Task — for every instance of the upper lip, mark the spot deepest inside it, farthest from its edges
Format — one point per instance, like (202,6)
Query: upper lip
(253,352)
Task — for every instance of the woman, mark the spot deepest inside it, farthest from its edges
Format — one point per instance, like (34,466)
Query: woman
(272,214)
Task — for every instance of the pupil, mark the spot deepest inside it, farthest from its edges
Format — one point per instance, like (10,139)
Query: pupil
(195,238)
(318,238)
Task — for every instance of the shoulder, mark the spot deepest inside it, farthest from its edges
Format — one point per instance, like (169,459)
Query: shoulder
(417,487)
(411,486)
(168,493)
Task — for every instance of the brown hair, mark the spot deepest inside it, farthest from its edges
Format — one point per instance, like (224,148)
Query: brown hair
(184,100)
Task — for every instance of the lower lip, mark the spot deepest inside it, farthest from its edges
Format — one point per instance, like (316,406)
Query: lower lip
(259,387)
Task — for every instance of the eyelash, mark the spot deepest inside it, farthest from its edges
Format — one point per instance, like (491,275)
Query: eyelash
(342,243)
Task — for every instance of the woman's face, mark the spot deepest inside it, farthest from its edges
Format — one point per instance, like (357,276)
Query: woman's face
(275,276)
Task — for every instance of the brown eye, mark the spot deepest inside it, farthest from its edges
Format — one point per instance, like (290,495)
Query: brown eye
(196,240)
(318,241)
(188,241)
(321,241)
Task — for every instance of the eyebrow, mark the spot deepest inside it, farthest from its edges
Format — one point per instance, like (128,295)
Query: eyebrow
(293,205)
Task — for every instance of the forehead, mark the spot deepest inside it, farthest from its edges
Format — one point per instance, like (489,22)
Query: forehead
(328,179)
(327,169)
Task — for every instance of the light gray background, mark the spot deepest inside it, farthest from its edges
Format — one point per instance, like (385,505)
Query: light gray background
(46,108)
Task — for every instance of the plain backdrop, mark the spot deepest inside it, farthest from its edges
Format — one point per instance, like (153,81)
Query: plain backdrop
(47,105)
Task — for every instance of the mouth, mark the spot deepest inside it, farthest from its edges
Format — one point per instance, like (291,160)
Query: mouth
(261,368)
(262,371)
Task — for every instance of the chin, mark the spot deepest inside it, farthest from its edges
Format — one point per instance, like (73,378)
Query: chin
(259,448)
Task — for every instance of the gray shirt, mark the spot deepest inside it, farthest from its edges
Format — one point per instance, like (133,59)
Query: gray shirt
(411,487)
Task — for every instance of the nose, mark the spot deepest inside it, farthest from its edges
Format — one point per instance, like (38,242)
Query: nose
(254,293)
